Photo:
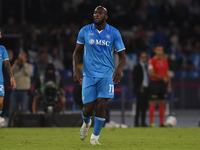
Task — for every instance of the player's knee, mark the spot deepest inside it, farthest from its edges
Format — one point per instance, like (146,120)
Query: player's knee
(87,111)
(162,103)
(153,102)
(101,106)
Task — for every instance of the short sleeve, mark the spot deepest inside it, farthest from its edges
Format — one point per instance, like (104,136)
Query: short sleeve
(150,65)
(80,38)
(118,43)
(5,54)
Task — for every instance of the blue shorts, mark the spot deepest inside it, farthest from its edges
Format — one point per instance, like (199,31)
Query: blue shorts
(2,89)
(93,87)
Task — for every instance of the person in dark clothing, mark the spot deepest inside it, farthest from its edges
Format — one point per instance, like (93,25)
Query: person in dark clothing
(45,82)
(77,95)
(140,82)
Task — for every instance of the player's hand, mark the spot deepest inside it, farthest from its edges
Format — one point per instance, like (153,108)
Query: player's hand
(169,89)
(117,76)
(77,77)
(13,82)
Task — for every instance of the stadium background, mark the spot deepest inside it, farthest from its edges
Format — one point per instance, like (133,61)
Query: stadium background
(48,30)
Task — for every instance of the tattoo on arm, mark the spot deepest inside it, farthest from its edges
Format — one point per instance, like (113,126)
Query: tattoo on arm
(8,67)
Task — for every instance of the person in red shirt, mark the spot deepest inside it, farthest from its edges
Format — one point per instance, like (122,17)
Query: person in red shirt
(160,83)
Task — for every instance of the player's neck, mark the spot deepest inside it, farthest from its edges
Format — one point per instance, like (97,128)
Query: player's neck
(101,26)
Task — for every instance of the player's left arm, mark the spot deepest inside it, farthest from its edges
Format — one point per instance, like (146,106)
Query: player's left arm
(9,69)
(120,48)
(169,88)
(117,74)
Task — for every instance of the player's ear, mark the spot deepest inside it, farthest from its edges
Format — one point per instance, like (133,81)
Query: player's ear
(106,17)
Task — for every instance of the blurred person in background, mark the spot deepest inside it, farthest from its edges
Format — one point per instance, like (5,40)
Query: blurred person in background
(5,59)
(10,27)
(140,82)
(185,63)
(160,84)
(160,37)
(42,83)
(22,73)
(57,61)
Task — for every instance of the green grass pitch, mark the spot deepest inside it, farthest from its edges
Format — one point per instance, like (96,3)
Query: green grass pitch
(110,138)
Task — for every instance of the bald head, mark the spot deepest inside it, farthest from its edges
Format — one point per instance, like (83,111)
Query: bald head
(102,8)
(100,15)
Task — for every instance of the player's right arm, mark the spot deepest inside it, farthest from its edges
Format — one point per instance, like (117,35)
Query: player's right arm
(76,56)
(9,70)
(76,59)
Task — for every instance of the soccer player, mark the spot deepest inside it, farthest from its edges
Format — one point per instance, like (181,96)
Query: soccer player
(99,40)
(160,84)
(4,58)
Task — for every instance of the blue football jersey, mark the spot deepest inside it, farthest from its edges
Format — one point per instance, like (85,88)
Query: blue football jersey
(3,56)
(99,49)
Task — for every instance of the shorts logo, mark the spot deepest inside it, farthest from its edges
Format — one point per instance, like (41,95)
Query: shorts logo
(111,89)
(83,97)
(108,36)
(91,41)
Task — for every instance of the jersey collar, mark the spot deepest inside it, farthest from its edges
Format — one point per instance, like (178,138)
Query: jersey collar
(106,28)
(157,57)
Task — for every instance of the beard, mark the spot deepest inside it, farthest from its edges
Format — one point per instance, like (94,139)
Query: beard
(100,22)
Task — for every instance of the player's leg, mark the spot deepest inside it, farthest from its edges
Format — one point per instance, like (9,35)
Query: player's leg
(161,110)
(1,104)
(87,113)
(2,120)
(1,97)
(99,120)
(105,90)
(152,106)
(100,115)
(89,96)
(154,89)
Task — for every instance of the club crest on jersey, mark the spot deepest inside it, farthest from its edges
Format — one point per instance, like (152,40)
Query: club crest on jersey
(108,36)
(91,41)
